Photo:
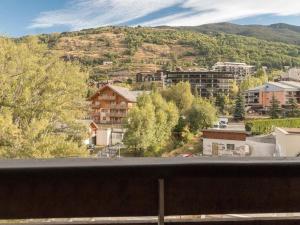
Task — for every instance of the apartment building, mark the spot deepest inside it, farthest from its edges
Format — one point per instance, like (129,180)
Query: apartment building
(219,142)
(109,107)
(110,104)
(234,141)
(292,74)
(287,142)
(207,83)
(283,91)
(240,69)
(143,77)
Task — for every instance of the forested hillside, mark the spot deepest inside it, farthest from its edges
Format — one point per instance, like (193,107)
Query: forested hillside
(279,32)
(147,49)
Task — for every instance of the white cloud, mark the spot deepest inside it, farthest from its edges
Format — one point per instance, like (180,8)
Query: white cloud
(79,14)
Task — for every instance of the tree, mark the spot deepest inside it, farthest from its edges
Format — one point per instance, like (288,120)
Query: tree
(149,125)
(274,74)
(251,82)
(201,115)
(221,103)
(140,125)
(41,101)
(239,107)
(260,73)
(181,95)
(274,108)
(293,108)
(234,89)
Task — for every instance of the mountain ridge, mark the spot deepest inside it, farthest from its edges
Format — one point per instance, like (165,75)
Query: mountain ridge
(124,51)
(278,32)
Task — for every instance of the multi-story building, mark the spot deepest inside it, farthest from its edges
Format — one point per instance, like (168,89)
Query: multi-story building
(224,142)
(234,141)
(143,77)
(207,83)
(287,142)
(240,69)
(283,91)
(292,74)
(109,106)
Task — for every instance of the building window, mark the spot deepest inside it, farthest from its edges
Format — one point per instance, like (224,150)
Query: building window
(230,147)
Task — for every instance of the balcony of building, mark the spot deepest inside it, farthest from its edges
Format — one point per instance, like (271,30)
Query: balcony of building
(110,122)
(173,191)
(117,114)
(95,105)
(118,106)
(107,98)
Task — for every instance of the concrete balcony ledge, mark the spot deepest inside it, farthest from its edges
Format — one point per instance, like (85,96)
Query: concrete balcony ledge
(155,187)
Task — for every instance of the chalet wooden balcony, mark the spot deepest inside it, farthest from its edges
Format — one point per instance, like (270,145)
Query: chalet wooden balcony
(107,98)
(109,122)
(117,114)
(95,106)
(134,187)
(118,106)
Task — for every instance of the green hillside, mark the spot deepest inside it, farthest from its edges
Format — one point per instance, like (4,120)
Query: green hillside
(276,32)
(148,49)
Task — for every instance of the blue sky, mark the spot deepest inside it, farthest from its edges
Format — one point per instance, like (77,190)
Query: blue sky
(22,17)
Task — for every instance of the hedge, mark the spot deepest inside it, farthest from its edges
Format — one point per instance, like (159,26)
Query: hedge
(266,126)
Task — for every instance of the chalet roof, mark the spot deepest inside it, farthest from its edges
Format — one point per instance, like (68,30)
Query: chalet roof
(130,96)
(124,92)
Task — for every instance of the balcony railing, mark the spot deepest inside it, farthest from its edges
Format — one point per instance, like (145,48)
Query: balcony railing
(118,106)
(85,188)
(107,97)
(95,106)
(116,114)
(109,122)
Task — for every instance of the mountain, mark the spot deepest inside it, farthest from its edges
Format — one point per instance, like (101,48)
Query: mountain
(124,51)
(280,32)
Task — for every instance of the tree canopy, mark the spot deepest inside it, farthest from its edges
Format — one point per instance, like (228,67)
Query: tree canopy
(239,107)
(274,108)
(149,125)
(41,101)
(201,115)
(181,95)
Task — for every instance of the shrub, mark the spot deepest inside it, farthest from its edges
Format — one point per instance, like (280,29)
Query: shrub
(266,126)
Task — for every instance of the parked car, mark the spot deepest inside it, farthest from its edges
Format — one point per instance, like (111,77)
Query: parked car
(91,148)
(223,124)
(216,126)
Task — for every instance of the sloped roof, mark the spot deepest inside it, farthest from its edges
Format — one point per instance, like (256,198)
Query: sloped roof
(287,85)
(280,85)
(256,88)
(124,92)
(130,96)
(291,83)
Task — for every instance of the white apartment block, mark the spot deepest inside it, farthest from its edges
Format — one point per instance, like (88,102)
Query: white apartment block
(240,69)
(292,74)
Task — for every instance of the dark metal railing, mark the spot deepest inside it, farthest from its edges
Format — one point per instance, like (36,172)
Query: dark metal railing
(134,187)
